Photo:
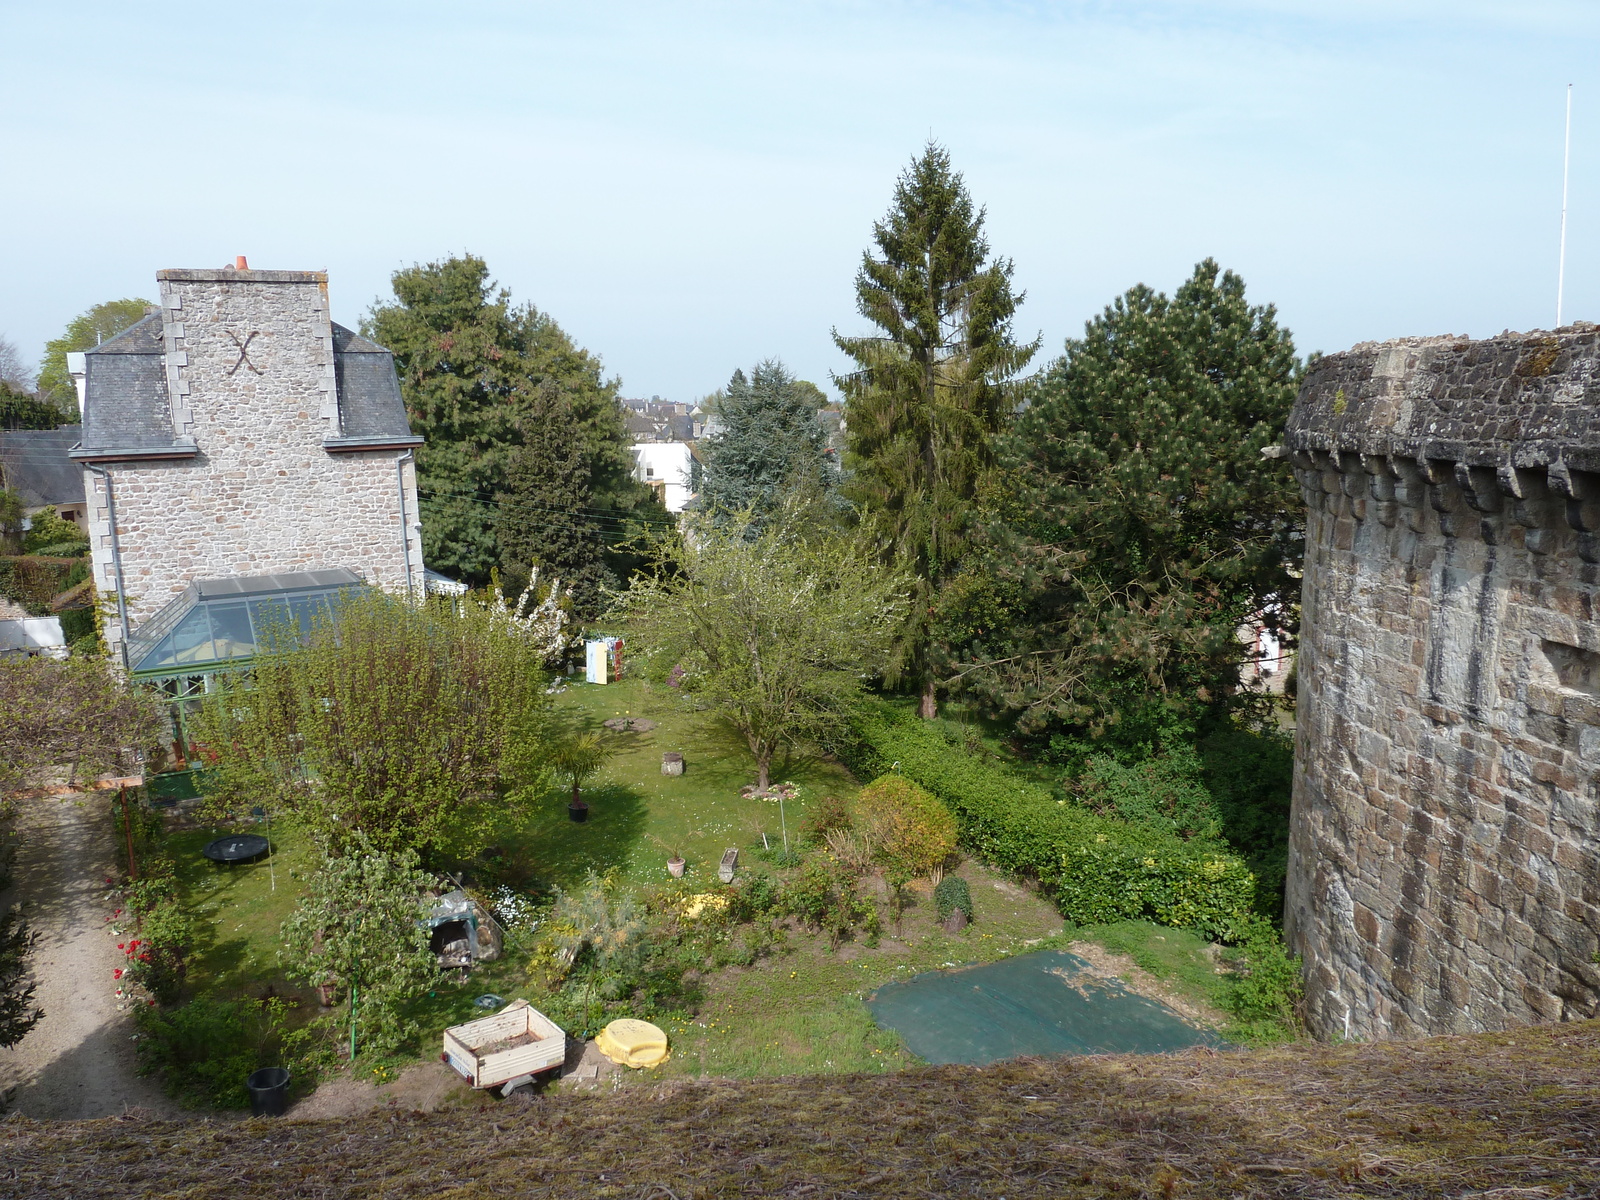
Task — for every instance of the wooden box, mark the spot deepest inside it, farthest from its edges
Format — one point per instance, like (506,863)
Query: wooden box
(517,1040)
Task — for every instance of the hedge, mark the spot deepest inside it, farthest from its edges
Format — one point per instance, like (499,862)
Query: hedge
(1097,869)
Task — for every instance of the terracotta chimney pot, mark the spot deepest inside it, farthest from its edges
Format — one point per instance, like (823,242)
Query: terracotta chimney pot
(239,264)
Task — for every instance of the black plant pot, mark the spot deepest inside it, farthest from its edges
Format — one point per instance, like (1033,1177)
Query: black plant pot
(578,812)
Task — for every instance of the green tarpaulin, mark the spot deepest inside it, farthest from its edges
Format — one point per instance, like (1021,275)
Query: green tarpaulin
(1048,1002)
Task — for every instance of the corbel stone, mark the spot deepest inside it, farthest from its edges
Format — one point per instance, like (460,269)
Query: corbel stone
(1380,483)
(1410,492)
(1581,489)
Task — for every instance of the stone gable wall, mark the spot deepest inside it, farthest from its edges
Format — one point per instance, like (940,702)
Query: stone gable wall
(1444,870)
(263,495)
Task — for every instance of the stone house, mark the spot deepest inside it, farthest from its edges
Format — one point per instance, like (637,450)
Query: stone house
(240,450)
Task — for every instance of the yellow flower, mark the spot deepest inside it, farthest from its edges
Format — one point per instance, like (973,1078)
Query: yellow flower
(1150,863)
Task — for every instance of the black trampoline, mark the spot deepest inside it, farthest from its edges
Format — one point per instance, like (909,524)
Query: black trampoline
(236,848)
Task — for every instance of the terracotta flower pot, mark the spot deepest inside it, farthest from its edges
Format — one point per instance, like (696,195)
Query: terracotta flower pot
(675,866)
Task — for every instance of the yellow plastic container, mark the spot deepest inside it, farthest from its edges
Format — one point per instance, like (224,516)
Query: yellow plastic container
(631,1043)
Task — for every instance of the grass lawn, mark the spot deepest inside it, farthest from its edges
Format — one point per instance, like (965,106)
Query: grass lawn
(798,1011)
(637,815)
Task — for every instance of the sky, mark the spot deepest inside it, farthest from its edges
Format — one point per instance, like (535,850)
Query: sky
(689,187)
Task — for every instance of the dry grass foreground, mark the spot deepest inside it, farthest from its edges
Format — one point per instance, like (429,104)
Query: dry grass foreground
(1513,1114)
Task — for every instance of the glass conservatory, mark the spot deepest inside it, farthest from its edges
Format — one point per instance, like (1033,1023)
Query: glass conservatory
(217,626)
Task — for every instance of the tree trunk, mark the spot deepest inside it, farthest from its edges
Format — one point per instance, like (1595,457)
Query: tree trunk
(577,792)
(764,770)
(930,702)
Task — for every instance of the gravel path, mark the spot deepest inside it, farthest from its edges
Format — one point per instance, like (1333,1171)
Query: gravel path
(79,1061)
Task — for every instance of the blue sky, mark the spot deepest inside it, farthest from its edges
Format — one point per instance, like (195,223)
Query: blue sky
(688,187)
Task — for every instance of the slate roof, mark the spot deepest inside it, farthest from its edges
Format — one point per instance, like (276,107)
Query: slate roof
(35,465)
(127,414)
(126,396)
(370,406)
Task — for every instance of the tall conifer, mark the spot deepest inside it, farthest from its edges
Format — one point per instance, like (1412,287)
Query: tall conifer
(930,391)
(770,443)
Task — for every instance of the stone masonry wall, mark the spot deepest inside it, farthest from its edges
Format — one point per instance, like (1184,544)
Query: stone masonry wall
(251,379)
(1444,870)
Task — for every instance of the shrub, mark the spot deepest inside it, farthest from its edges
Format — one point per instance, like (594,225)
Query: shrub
(951,895)
(913,832)
(158,957)
(829,814)
(1098,869)
(823,894)
(206,1049)
(1267,990)
(1164,792)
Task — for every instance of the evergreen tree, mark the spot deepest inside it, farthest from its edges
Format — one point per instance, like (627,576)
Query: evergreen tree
(1143,526)
(545,518)
(770,442)
(473,367)
(84,332)
(930,391)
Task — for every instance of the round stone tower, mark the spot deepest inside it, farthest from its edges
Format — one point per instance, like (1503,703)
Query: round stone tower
(1444,868)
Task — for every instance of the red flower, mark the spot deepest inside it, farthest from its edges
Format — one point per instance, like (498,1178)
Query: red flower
(117,974)
(121,946)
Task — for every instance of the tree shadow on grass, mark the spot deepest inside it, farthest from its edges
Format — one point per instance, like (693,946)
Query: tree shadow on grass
(552,850)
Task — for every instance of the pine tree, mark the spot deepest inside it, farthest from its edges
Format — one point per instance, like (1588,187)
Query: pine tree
(930,391)
(1143,525)
(545,517)
(472,368)
(770,443)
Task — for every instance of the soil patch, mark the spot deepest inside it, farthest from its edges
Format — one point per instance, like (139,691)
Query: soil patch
(1121,966)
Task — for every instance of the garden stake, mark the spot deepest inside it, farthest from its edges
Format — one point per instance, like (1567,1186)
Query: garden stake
(127,828)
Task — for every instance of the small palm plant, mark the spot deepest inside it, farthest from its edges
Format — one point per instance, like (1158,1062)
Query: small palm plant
(579,757)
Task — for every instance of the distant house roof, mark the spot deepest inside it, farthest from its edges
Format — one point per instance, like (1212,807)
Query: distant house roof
(34,464)
(126,414)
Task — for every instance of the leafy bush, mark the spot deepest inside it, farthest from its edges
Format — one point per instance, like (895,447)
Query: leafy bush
(1164,792)
(828,815)
(913,832)
(1098,869)
(601,927)
(951,895)
(50,535)
(158,957)
(824,895)
(205,1050)
(1250,774)
(1267,990)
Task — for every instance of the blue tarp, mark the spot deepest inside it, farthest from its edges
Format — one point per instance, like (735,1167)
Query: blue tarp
(1045,1003)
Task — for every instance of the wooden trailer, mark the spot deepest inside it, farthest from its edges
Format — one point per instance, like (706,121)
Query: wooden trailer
(513,1045)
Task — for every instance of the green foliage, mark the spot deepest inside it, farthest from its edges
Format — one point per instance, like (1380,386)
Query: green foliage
(18,1013)
(600,926)
(1141,525)
(205,1050)
(478,373)
(910,829)
(11,532)
(1097,868)
(416,727)
(1267,991)
(50,535)
(824,893)
(157,959)
(951,895)
(1250,775)
(579,757)
(84,332)
(930,389)
(1164,792)
(21,410)
(33,580)
(75,711)
(824,817)
(546,517)
(358,926)
(775,628)
(770,445)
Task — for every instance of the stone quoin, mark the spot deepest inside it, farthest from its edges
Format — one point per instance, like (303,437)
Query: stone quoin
(1444,864)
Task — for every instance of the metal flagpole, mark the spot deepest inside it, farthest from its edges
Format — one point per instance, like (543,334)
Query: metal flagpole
(1566,168)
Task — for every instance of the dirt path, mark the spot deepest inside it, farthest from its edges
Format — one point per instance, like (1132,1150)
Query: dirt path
(78,1061)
